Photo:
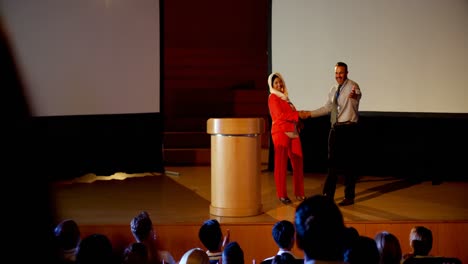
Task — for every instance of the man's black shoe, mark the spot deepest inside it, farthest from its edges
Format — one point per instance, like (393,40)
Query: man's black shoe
(329,197)
(346,202)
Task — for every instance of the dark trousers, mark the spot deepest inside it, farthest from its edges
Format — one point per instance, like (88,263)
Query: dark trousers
(342,159)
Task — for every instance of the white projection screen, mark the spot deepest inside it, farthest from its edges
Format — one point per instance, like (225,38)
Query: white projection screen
(406,55)
(87,57)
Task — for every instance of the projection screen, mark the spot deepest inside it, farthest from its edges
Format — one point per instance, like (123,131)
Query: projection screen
(406,55)
(87,57)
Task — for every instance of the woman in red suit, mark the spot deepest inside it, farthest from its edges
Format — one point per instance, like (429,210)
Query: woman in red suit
(286,141)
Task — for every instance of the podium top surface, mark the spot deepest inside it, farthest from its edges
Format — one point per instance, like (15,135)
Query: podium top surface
(236,126)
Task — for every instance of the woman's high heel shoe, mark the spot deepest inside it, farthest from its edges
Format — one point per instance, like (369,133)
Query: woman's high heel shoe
(285,200)
(300,198)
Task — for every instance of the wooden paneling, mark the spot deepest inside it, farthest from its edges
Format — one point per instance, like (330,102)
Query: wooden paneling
(215,61)
(212,49)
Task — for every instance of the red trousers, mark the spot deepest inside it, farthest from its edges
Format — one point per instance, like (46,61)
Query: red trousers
(286,147)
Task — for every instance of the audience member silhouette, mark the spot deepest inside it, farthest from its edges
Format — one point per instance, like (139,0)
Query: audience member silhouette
(320,230)
(389,248)
(211,236)
(363,251)
(195,256)
(420,241)
(95,249)
(233,254)
(350,237)
(285,258)
(68,237)
(142,229)
(283,233)
(135,253)
(26,163)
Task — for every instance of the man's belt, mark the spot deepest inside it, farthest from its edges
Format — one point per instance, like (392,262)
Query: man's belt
(347,123)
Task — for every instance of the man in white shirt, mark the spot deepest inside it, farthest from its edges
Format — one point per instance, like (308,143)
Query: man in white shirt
(343,105)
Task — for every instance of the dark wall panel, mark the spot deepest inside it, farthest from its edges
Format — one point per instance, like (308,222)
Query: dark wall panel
(72,146)
(420,146)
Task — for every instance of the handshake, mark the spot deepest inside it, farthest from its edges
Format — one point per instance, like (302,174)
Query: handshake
(304,114)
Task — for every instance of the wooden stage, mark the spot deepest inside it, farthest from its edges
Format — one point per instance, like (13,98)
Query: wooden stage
(178,202)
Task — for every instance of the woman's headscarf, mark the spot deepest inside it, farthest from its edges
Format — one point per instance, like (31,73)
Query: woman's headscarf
(283,95)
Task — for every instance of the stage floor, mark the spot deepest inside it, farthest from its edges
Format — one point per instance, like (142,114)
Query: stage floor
(182,195)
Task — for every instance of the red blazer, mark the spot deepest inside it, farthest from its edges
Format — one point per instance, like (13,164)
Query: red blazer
(284,115)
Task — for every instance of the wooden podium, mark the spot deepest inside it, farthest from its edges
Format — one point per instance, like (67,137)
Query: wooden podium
(235,166)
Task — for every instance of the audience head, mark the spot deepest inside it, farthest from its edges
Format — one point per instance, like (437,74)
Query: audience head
(284,258)
(389,248)
(94,249)
(210,235)
(14,87)
(363,251)
(195,256)
(320,229)
(142,227)
(135,253)
(283,233)
(421,240)
(233,254)
(68,234)
(350,236)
